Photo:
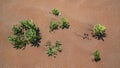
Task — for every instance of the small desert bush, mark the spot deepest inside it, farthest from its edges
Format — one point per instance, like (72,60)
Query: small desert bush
(31,35)
(63,23)
(96,55)
(24,34)
(99,29)
(53,25)
(55,11)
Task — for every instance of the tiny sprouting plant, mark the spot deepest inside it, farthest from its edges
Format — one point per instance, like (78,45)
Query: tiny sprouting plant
(64,23)
(99,29)
(25,33)
(96,55)
(52,50)
(55,11)
(53,25)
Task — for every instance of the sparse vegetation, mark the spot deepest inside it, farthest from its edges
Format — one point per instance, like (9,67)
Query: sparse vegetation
(64,23)
(50,51)
(24,33)
(55,11)
(57,46)
(53,49)
(53,25)
(96,55)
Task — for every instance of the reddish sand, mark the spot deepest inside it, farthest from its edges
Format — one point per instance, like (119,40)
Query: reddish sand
(77,52)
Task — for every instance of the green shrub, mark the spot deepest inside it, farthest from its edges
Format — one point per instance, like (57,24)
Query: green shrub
(17,30)
(24,34)
(50,51)
(99,29)
(53,25)
(64,23)
(17,42)
(96,55)
(31,35)
(55,12)
(27,24)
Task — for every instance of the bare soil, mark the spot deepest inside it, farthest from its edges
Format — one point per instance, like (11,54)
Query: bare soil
(77,52)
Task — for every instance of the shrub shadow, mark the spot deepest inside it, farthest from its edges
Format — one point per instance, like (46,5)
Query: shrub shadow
(96,60)
(20,48)
(53,29)
(86,36)
(36,43)
(99,37)
(66,27)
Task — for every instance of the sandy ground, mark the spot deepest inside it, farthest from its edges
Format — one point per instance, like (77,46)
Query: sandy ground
(77,52)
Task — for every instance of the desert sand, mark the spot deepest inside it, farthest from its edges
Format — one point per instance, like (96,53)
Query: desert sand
(77,52)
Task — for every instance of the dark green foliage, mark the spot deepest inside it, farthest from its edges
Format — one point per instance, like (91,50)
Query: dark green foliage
(25,33)
(64,23)
(55,12)
(31,35)
(17,30)
(17,42)
(27,24)
(96,55)
(53,25)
